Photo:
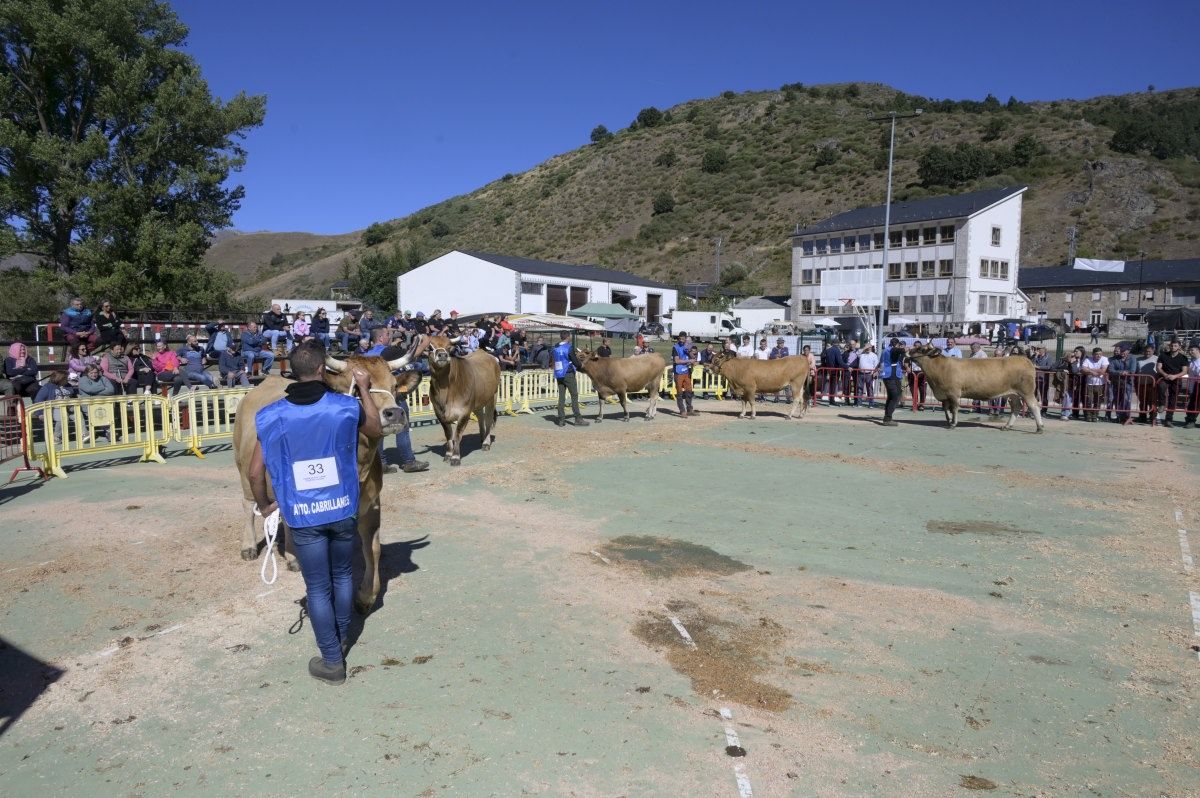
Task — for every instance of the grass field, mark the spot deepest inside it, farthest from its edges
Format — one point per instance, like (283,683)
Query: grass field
(909,611)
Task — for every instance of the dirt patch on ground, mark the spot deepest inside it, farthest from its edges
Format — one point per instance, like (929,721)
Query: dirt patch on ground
(728,658)
(975,528)
(663,558)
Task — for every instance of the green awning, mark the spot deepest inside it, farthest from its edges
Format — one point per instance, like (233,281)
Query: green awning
(601,310)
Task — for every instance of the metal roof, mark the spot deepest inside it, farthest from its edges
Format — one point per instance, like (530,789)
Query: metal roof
(569,271)
(763,302)
(929,209)
(1151,272)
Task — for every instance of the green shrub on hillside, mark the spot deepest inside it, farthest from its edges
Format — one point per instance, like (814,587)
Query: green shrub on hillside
(714,160)
(648,117)
(667,159)
(664,202)
(377,233)
(600,134)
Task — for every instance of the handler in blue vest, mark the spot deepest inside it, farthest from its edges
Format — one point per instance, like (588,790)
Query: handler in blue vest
(566,363)
(891,367)
(308,442)
(681,356)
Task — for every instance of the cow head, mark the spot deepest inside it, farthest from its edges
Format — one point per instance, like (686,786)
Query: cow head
(587,354)
(339,377)
(922,350)
(438,348)
(720,358)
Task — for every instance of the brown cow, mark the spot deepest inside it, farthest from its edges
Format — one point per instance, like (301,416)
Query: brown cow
(621,376)
(953,379)
(750,377)
(458,387)
(370,468)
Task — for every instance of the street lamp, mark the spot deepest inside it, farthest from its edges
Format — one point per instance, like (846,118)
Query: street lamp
(887,215)
(1141,264)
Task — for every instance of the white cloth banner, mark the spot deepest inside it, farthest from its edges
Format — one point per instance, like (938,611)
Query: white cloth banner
(1094,265)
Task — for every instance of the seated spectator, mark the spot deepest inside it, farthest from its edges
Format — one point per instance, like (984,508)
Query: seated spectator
(192,355)
(397,321)
(56,387)
(21,370)
(364,346)
(522,355)
(275,326)
(78,363)
(77,324)
(93,383)
(319,328)
(539,354)
(436,324)
(367,324)
(234,367)
(605,348)
(143,369)
(252,345)
(348,332)
(119,370)
(218,339)
(420,326)
(453,326)
(168,369)
(300,326)
(108,324)
(508,362)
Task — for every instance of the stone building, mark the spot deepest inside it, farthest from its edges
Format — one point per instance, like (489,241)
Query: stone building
(1062,294)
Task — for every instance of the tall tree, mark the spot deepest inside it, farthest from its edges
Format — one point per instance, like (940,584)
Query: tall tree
(113,152)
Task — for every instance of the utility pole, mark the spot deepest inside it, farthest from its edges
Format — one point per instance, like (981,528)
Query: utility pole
(887,217)
(1141,265)
(1072,234)
(719,239)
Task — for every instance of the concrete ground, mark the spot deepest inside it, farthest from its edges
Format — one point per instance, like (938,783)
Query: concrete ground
(906,611)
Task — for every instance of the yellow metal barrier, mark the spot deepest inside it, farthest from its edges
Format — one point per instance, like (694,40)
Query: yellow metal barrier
(74,427)
(199,417)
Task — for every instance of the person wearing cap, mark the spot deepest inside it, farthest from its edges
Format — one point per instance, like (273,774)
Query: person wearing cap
(566,364)
(868,370)
(1120,388)
(420,326)
(682,362)
(779,350)
(891,369)
(452,324)
(1095,375)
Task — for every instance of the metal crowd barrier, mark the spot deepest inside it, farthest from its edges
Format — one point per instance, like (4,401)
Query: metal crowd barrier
(12,436)
(863,385)
(199,417)
(65,428)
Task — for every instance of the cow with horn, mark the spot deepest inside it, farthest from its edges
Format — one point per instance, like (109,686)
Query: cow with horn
(460,387)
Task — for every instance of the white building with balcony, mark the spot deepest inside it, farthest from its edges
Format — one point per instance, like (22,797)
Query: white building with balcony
(952,261)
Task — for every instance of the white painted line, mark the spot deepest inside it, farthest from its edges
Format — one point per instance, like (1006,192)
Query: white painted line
(31,565)
(603,559)
(687,638)
(269,592)
(1195,598)
(743,782)
(108,652)
(1178,516)
(168,630)
(1185,550)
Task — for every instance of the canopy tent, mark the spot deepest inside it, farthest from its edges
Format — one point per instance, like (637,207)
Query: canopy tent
(551,321)
(623,325)
(1173,319)
(895,321)
(825,321)
(602,310)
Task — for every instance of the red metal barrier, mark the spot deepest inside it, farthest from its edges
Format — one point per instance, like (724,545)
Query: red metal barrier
(12,436)
(848,385)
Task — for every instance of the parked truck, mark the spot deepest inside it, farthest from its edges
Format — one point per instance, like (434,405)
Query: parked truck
(705,325)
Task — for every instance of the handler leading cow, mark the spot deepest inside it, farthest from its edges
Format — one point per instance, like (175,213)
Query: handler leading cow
(953,379)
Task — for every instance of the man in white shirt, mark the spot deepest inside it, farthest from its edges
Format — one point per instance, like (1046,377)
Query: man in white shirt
(1095,371)
(747,348)
(868,369)
(762,353)
(952,349)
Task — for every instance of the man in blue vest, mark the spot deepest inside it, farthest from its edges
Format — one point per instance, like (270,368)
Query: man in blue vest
(683,360)
(891,369)
(308,443)
(566,363)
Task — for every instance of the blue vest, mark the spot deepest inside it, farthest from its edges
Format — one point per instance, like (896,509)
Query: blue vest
(890,370)
(311,453)
(680,350)
(562,360)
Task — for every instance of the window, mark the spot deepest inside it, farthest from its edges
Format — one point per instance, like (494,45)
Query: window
(1003,270)
(864,242)
(806,306)
(927,303)
(822,245)
(806,247)
(877,241)
(929,235)
(895,238)
(993,304)
(910,270)
(1124,296)
(893,271)
(849,244)
(1097,317)
(806,276)
(1002,305)
(943,303)
(945,268)
(995,236)
(983,303)
(1068,296)
(928,268)
(1042,297)
(1097,295)
(909,304)
(835,245)
(1148,293)
(984,264)
(948,234)
(893,304)
(531,288)
(912,237)
(817,277)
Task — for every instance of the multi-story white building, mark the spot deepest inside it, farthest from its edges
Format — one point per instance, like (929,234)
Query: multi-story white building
(951,260)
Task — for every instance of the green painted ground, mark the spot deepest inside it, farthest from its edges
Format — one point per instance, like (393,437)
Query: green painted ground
(924,612)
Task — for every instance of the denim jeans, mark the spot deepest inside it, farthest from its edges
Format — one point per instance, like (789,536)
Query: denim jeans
(403,438)
(346,338)
(275,335)
(266,357)
(326,553)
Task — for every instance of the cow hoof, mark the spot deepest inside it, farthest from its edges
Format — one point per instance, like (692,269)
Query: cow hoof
(362,608)
(252,554)
(487,447)
(1040,430)
(626,418)
(454,461)
(293,565)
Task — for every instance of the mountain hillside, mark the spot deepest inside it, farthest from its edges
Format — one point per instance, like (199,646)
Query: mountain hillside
(750,167)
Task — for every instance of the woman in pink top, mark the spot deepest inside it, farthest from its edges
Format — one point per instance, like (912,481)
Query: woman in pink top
(167,367)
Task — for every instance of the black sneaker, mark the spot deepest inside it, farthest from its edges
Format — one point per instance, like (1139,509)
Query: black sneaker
(1168,423)
(323,672)
(413,466)
(887,422)
(581,422)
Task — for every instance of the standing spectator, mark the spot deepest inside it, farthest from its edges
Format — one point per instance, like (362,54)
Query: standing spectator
(604,350)
(1172,373)
(917,385)
(1120,389)
(320,327)
(252,345)
(951,349)
(367,324)
(746,349)
(1193,405)
(868,369)
(108,324)
(892,370)
(1078,388)
(300,326)
(706,355)
(1095,331)
(779,350)
(78,364)
(1043,361)
(192,356)
(275,326)
(348,333)
(1095,371)
(1071,372)
(809,389)
(119,370)
(831,366)
(143,369)
(234,367)
(21,370)
(762,352)
(850,383)
(1147,371)
(77,324)
(168,369)
(566,363)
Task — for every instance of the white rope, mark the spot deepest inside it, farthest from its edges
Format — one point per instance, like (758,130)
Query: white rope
(271,528)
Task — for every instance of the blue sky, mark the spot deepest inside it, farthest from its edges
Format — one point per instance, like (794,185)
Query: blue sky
(376,109)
